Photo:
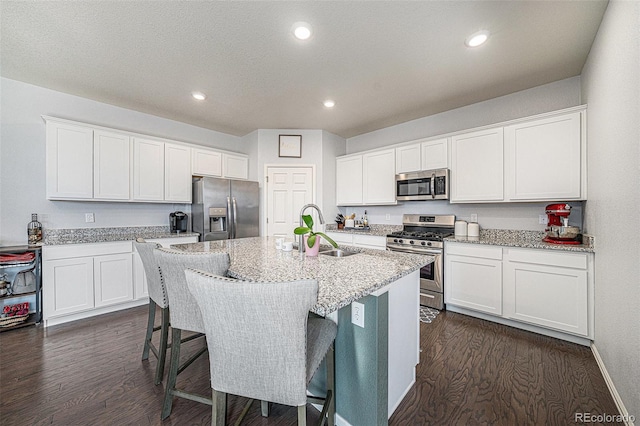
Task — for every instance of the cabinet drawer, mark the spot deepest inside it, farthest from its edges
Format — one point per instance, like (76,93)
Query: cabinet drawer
(546,257)
(474,250)
(83,250)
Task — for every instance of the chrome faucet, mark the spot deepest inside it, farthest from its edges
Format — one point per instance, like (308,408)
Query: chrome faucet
(301,237)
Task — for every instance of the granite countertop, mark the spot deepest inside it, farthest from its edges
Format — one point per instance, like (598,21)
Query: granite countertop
(340,280)
(526,239)
(377,230)
(100,235)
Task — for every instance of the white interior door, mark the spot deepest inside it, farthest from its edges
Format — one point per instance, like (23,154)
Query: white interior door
(288,190)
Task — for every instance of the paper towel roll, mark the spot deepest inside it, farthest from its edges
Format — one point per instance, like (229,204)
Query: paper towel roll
(460,228)
(473,230)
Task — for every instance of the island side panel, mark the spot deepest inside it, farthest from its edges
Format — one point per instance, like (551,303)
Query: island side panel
(404,337)
(362,364)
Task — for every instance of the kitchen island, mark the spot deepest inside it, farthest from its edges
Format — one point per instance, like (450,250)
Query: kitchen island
(375,361)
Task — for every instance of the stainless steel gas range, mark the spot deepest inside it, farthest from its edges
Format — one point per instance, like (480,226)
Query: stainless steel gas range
(423,234)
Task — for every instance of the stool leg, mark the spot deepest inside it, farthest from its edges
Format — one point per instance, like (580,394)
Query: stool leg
(162,350)
(331,385)
(149,335)
(219,408)
(302,415)
(173,372)
(264,406)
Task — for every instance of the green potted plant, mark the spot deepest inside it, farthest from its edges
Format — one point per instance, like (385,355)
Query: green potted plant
(311,238)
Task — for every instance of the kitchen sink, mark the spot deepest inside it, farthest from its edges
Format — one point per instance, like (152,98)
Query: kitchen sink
(338,253)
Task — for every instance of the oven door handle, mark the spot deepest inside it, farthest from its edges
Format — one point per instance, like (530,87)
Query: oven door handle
(412,251)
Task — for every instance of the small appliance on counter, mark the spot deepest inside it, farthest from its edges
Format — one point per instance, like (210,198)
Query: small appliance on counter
(178,222)
(558,229)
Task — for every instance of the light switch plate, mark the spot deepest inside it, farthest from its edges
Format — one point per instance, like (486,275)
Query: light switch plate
(357,314)
(473,217)
(542,219)
(387,216)
(89,218)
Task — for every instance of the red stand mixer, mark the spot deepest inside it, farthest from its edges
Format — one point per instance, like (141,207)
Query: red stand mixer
(558,229)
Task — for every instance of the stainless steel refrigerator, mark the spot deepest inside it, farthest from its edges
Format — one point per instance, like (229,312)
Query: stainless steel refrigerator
(225,208)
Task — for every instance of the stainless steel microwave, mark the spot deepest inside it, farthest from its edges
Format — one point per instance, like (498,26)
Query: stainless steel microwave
(423,186)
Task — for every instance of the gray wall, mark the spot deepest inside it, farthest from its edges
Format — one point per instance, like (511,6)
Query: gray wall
(611,87)
(22,160)
(549,97)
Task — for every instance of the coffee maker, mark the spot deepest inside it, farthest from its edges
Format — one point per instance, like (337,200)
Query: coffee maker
(178,222)
(558,229)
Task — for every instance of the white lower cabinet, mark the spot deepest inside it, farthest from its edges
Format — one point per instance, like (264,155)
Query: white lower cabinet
(474,278)
(112,279)
(547,289)
(542,288)
(83,280)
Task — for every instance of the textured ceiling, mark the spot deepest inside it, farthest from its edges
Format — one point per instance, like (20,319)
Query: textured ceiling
(383,62)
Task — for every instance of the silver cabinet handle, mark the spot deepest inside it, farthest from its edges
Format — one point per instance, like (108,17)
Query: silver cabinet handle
(428,295)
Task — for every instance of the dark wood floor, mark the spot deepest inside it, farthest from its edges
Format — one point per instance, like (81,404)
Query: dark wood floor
(471,372)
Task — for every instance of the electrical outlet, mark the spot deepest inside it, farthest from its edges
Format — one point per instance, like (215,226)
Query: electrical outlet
(387,216)
(473,217)
(89,218)
(357,314)
(542,219)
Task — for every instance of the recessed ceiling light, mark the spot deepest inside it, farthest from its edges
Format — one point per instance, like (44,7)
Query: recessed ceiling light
(199,96)
(476,39)
(329,103)
(302,30)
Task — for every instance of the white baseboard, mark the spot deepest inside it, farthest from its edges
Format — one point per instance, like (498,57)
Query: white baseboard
(48,322)
(612,389)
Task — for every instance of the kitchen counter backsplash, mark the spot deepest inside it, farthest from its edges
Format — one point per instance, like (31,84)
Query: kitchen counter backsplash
(526,239)
(100,235)
(378,230)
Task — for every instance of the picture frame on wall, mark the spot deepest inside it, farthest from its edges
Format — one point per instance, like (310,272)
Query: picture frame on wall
(290,146)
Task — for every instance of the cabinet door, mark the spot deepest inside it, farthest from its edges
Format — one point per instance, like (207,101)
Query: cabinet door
(349,180)
(235,166)
(148,170)
(69,164)
(435,154)
(206,162)
(548,296)
(544,158)
(477,166)
(370,241)
(408,158)
(379,177)
(112,279)
(67,286)
(473,283)
(177,173)
(111,166)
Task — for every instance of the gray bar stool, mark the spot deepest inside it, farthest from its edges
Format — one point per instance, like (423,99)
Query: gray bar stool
(262,342)
(185,316)
(157,297)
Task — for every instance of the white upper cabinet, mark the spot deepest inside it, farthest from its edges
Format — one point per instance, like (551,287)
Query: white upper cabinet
(379,177)
(349,180)
(148,170)
(111,166)
(177,173)
(206,162)
(235,166)
(477,166)
(423,155)
(93,163)
(69,161)
(408,158)
(545,159)
(435,154)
